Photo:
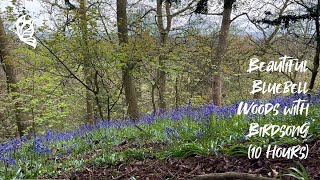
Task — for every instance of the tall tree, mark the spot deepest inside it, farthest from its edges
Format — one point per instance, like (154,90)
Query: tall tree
(164,23)
(128,79)
(87,70)
(316,58)
(11,77)
(163,31)
(217,80)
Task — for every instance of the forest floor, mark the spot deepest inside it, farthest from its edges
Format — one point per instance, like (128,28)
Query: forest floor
(184,143)
(187,168)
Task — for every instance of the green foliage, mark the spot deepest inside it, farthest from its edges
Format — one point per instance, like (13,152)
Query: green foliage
(301,173)
(237,150)
(184,150)
(46,102)
(6,117)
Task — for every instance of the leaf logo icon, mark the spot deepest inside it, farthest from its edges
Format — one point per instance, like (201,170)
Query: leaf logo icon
(25,31)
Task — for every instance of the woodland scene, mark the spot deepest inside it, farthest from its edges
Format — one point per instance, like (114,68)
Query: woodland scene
(160,89)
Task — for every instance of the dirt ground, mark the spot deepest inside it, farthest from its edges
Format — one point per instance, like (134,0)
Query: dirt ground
(187,168)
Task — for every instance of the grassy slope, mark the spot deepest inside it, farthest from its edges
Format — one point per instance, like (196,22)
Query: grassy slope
(180,133)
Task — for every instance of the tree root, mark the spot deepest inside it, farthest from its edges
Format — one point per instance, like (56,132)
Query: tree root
(230,175)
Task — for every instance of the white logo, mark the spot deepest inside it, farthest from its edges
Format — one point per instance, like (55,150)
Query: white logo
(25,30)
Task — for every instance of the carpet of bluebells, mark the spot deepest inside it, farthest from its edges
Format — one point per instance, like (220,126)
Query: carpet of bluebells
(206,129)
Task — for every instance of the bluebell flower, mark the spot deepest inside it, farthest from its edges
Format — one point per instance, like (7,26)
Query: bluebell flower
(200,134)
(172,133)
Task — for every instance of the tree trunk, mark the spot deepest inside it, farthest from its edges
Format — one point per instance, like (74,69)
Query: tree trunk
(162,75)
(88,75)
(96,95)
(128,80)
(109,109)
(258,95)
(317,54)
(220,51)
(11,77)
(164,31)
(153,87)
(177,98)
